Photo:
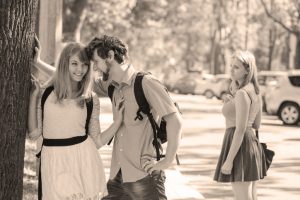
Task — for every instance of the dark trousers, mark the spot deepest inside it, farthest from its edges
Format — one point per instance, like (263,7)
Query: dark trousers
(149,188)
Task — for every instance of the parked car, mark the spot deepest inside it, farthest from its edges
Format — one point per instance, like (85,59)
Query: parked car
(214,86)
(282,97)
(263,78)
(221,85)
(190,83)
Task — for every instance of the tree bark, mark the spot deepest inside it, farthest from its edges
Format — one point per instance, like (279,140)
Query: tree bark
(17,25)
(272,40)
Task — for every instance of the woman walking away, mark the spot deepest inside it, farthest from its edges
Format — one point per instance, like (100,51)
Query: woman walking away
(67,117)
(241,159)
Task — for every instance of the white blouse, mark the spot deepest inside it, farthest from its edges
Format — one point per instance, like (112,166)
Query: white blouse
(66,119)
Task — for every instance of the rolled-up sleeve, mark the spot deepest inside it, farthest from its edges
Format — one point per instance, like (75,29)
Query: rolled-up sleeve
(158,97)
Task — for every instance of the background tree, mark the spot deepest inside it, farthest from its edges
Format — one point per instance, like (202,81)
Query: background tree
(74,14)
(184,36)
(17,23)
(286,13)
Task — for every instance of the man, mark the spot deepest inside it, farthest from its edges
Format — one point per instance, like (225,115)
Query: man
(134,174)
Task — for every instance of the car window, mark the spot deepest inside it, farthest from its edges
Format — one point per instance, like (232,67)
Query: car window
(271,79)
(264,79)
(295,80)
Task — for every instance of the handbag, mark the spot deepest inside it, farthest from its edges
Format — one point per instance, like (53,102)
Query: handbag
(269,154)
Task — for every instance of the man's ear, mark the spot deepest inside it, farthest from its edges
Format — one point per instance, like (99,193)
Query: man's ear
(111,55)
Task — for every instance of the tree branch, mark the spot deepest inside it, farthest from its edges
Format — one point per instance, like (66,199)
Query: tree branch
(276,20)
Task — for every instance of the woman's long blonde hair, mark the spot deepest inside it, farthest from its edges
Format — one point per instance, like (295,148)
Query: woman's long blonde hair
(248,61)
(62,80)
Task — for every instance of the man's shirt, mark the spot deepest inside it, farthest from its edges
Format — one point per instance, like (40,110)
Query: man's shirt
(134,137)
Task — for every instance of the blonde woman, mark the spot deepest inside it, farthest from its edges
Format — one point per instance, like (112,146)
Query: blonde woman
(68,120)
(241,161)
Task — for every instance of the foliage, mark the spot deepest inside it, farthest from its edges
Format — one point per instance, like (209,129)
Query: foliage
(181,36)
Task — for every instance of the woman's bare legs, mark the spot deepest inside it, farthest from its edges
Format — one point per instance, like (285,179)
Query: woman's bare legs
(254,190)
(242,190)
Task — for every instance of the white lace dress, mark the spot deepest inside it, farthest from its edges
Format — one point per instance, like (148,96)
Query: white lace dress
(70,172)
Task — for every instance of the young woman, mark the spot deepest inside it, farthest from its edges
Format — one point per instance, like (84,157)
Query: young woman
(241,161)
(71,167)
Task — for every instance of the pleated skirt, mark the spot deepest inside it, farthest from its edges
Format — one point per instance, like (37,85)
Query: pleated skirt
(72,172)
(249,162)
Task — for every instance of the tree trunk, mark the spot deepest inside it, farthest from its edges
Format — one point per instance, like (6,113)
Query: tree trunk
(297,55)
(272,40)
(17,24)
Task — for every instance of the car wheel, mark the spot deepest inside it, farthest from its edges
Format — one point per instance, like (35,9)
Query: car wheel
(289,113)
(208,94)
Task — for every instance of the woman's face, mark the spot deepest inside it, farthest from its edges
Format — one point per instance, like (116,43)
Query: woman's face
(77,68)
(237,70)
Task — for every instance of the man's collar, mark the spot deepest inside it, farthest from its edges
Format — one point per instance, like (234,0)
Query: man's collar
(128,76)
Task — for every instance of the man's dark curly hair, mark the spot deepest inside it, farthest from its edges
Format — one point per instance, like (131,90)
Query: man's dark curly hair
(106,43)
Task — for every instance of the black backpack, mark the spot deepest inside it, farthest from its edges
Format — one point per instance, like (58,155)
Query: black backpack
(159,131)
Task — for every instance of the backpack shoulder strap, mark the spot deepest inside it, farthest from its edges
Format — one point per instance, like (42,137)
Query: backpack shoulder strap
(110,91)
(89,107)
(45,95)
(140,96)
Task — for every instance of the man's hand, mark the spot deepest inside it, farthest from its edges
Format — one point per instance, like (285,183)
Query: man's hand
(149,164)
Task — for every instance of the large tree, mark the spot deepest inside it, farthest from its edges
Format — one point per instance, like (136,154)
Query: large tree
(17,24)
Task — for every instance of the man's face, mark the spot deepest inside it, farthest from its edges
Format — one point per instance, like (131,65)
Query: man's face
(100,65)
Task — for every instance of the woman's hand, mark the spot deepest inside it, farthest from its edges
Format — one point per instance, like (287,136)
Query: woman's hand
(37,50)
(120,110)
(227,167)
(37,86)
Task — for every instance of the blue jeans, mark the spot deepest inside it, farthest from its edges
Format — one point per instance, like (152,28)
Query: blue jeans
(149,188)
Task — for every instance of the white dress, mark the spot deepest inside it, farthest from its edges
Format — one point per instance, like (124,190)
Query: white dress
(76,171)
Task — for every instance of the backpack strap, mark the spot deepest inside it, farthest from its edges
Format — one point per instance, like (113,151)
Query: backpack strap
(145,108)
(45,95)
(110,91)
(140,96)
(89,107)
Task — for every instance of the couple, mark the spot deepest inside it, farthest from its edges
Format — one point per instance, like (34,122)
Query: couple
(67,116)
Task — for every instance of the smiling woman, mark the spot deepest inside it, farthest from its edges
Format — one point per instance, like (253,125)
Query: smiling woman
(73,75)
